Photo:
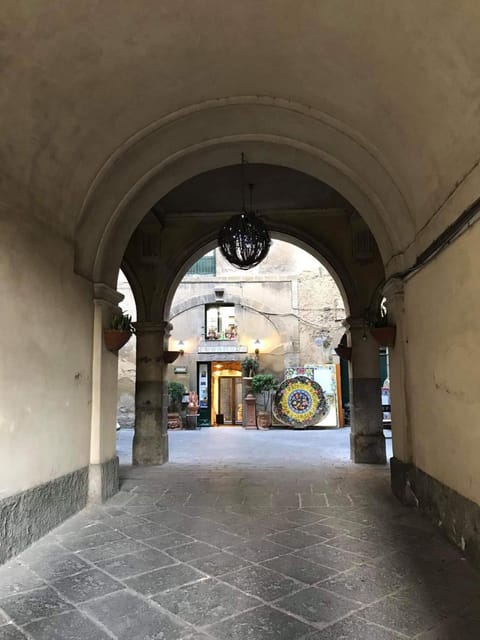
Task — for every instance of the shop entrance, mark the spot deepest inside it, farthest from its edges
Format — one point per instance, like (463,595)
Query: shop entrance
(226,394)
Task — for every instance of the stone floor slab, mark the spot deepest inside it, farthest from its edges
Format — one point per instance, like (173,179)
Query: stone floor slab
(261,582)
(130,617)
(264,623)
(300,569)
(16,578)
(258,550)
(354,628)
(162,579)
(365,583)
(331,557)
(10,632)
(40,603)
(86,585)
(219,563)
(67,626)
(317,605)
(192,551)
(206,602)
(295,539)
(57,566)
(133,564)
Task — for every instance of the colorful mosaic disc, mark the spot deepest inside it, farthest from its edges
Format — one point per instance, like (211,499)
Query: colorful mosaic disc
(300,402)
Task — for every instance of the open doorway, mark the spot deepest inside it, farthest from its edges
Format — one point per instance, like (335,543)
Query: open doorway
(226,394)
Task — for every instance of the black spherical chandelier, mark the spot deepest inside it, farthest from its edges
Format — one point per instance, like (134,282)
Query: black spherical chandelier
(244,239)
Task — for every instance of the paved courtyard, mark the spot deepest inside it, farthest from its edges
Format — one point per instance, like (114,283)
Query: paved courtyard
(244,536)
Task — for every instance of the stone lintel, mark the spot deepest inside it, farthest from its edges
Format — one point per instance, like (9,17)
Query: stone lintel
(457,516)
(368,449)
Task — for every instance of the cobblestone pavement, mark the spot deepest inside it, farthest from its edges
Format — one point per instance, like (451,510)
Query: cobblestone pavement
(271,546)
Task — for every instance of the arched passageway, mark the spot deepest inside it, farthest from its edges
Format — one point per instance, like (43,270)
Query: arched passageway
(107,121)
(294,206)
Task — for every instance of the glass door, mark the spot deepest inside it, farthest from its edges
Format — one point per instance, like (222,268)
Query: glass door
(230,399)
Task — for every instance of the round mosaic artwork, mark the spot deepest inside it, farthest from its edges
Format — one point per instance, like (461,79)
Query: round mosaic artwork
(300,402)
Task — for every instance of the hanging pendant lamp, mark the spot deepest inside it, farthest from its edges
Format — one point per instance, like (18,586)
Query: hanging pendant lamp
(244,239)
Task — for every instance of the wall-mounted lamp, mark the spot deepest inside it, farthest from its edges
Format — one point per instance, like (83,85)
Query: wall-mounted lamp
(257,344)
(181,347)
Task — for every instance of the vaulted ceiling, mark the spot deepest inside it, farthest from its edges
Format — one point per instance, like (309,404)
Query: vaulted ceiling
(81,79)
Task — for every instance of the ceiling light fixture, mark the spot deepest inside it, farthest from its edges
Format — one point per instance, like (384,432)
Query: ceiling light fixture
(244,239)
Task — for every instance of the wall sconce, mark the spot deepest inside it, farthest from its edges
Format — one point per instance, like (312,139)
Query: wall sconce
(181,347)
(257,344)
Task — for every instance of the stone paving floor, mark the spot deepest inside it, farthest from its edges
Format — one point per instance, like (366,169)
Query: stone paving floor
(244,536)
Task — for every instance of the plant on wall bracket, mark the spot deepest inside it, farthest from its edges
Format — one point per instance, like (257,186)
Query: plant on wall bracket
(119,331)
(381,328)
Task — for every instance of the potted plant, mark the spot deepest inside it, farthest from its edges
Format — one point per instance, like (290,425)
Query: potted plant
(175,391)
(264,384)
(192,410)
(119,331)
(381,329)
(249,366)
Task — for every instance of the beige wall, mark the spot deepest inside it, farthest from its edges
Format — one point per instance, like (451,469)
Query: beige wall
(45,364)
(443,311)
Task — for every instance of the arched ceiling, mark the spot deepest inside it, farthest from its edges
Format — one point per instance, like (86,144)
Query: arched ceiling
(274,188)
(79,79)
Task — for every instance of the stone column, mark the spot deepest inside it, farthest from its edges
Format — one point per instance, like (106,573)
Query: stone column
(103,469)
(150,442)
(367,442)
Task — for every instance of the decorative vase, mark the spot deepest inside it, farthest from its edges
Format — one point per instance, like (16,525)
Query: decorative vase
(115,339)
(344,352)
(385,336)
(263,420)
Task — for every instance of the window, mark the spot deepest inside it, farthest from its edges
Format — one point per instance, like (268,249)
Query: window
(206,266)
(220,322)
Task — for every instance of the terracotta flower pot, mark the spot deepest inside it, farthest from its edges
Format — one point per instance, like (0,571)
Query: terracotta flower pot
(115,339)
(170,356)
(385,336)
(344,352)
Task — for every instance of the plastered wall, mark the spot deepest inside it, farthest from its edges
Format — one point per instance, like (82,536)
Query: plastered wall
(443,308)
(45,363)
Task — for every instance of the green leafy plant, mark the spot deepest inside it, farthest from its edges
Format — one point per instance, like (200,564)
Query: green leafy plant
(121,322)
(249,366)
(176,391)
(264,384)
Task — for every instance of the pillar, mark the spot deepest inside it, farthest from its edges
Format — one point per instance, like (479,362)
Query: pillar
(150,442)
(103,469)
(401,462)
(367,442)
(402,446)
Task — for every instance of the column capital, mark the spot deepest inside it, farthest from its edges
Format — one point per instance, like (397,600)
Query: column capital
(103,294)
(153,327)
(392,288)
(355,322)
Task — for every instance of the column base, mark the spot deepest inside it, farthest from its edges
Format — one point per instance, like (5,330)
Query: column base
(149,450)
(368,449)
(103,480)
